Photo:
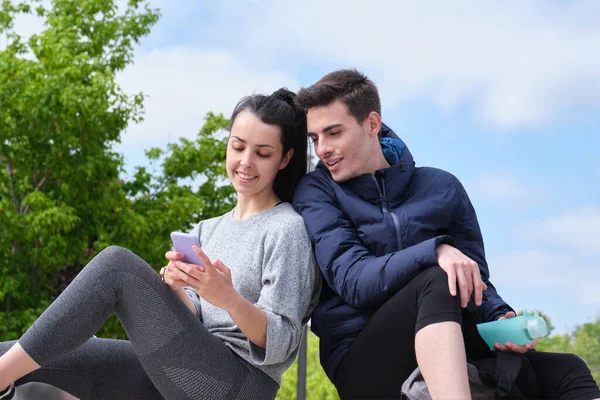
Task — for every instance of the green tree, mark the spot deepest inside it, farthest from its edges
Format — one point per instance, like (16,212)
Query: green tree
(60,112)
(583,341)
(185,183)
(189,185)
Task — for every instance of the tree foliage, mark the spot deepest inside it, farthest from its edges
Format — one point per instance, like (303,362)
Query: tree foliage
(61,198)
(583,341)
(60,112)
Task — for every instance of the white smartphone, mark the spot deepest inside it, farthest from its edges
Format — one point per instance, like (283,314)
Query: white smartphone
(183,242)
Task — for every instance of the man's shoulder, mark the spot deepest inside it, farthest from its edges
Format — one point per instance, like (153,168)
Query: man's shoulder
(435,172)
(319,176)
(434,176)
(313,183)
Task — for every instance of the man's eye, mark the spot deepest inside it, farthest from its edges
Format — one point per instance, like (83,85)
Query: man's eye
(314,140)
(335,133)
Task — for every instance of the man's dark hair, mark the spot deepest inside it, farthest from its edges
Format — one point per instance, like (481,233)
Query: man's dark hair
(348,85)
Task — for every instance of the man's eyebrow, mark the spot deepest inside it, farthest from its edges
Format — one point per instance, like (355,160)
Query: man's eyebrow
(243,141)
(328,128)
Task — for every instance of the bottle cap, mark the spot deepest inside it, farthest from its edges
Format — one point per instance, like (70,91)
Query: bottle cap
(536,327)
(529,313)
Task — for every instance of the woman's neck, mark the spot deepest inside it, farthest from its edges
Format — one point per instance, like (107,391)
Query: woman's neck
(247,206)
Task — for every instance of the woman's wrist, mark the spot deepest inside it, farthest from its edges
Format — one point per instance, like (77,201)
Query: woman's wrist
(236,304)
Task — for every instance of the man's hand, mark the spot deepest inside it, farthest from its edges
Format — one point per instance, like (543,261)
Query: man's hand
(462,272)
(512,347)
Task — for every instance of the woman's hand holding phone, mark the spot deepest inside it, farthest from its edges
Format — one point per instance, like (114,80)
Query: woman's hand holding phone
(215,284)
(177,272)
(190,266)
(182,262)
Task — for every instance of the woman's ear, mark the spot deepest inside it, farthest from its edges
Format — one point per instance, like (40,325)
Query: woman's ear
(286,160)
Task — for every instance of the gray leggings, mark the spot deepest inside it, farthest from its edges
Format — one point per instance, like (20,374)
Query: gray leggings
(169,354)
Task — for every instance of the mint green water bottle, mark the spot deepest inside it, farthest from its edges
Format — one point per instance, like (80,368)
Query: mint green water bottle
(519,330)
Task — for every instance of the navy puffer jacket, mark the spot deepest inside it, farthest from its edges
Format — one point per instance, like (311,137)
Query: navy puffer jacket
(372,234)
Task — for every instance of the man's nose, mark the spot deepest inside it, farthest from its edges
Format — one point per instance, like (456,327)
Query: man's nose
(322,148)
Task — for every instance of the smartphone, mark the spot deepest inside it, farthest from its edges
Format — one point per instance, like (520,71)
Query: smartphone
(183,242)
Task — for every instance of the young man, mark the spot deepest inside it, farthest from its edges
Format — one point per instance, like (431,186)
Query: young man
(402,254)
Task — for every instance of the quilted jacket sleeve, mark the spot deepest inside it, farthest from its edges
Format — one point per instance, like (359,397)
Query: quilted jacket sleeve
(358,276)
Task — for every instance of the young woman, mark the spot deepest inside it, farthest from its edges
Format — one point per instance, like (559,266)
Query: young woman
(227,330)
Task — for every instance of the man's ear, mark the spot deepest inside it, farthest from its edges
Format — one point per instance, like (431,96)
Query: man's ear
(373,123)
(286,159)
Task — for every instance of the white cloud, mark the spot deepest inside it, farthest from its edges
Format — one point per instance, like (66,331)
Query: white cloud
(558,271)
(517,63)
(590,293)
(535,268)
(499,187)
(564,286)
(514,63)
(184,83)
(574,230)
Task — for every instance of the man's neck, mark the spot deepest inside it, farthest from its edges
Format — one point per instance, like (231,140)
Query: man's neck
(378,162)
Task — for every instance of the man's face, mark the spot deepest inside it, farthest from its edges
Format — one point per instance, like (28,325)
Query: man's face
(341,143)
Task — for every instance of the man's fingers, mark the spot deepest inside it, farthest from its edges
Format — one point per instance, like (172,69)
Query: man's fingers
(463,286)
(499,347)
(452,281)
(516,348)
(478,287)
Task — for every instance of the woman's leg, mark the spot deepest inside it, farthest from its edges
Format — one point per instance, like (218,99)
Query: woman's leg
(99,369)
(383,355)
(180,356)
(562,376)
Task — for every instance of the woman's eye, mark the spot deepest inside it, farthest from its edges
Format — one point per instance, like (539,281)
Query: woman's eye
(237,148)
(263,155)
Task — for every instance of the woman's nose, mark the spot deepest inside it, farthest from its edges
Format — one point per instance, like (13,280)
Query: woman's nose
(247,160)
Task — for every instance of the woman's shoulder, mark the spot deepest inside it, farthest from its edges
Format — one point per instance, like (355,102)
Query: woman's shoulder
(285,214)
(284,221)
(209,224)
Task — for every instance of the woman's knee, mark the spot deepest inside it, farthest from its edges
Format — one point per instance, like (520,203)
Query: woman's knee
(119,259)
(114,252)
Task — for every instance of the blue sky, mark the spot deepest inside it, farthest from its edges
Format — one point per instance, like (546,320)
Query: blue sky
(505,95)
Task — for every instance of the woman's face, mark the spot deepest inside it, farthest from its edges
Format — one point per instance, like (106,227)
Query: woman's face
(254,155)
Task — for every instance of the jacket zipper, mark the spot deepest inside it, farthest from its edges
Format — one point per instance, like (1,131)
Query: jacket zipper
(385,210)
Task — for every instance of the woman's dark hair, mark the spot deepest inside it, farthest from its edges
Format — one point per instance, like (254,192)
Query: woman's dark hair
(280,109)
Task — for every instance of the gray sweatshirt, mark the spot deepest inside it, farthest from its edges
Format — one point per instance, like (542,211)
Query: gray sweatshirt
(272,266)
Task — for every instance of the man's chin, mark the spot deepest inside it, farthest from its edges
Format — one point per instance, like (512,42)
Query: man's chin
(338,176)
